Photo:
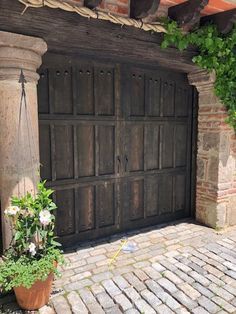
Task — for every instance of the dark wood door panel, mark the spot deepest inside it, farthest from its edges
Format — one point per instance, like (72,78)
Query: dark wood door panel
(106,146)
(155,94)
(86,208)
(77,88)
(104,91)
(84,90)
(115,144)
(86,150)
(63,157)
(134,156)
(167,145)
(86,211)
(73,150)
(157,136)
(152,147)
(153,198)
(65,218)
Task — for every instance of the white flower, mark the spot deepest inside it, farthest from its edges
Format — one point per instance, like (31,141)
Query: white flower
(45,217)
(32,248)
(12,210)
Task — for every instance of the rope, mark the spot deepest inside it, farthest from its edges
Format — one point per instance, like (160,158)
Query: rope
(113,259)
(86,12)
(23,105)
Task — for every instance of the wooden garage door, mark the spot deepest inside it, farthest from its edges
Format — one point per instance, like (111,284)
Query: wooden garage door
(115,144)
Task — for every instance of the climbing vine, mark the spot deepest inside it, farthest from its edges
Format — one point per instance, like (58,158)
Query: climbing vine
(215,52)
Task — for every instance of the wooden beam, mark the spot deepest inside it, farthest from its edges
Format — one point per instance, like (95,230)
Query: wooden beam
(187,14)
(92,3)
(73,34)
(140,9)
(223,20)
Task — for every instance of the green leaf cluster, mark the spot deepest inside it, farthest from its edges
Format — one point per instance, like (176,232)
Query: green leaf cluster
(216,52)
(25,271)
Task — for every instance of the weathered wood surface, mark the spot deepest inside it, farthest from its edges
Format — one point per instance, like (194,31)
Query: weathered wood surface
(140,9)
(115,144)
(187,14)
(224,20)
(69,33)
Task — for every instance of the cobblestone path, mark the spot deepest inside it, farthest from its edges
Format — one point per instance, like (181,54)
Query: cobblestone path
(180,268)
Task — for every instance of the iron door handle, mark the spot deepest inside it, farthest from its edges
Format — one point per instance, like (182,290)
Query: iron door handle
(126,163)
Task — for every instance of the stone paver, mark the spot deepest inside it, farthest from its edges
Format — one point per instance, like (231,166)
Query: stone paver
(178,269)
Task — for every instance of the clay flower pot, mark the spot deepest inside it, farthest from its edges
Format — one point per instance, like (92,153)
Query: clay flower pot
(36,296)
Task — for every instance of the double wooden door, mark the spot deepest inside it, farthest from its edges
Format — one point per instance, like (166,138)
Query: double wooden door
(115,145)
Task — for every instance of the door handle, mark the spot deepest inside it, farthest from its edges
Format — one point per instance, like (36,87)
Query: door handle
(126,163)
(118,164)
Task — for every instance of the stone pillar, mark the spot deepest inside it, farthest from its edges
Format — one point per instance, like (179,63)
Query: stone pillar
(216,157)
(19,142)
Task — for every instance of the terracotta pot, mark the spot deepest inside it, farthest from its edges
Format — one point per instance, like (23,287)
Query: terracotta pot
(36,296)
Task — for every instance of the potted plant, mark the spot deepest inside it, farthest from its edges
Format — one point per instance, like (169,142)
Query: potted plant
(29,265)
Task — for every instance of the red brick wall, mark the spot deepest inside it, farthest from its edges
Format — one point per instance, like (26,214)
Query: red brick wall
(119,7)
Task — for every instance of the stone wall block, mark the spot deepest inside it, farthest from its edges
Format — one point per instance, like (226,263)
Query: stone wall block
(212,173)
(211,141)
(201,169)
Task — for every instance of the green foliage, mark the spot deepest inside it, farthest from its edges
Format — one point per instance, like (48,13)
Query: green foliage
(216,52)
(25,270)
(34,249)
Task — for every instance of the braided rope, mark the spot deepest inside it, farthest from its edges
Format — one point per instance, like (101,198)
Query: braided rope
(86,12)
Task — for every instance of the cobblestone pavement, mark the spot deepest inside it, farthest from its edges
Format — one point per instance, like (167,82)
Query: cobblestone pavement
(179,268)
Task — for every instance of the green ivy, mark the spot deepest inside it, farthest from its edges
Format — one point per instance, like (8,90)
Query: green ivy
(215,52)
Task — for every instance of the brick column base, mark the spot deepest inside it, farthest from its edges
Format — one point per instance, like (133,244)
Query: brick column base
(216,157)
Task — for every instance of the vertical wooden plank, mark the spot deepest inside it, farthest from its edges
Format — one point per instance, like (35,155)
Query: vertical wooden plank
(84,90)
(180,192)
(86,208)
(168,98)
(86,150)
(65,214)
(106,140)
(137,93)
(43,92)
(106,204)
(153,95)
(104,91)
(168,146)
(152,147)
(181,145)
(136,189)
(181,101)
(165,194)
(135,147)
(151,196)
(53,152)
(45,151)
(61,91)
(64,155)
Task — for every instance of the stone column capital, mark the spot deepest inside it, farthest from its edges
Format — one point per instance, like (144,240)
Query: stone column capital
(20,52)
(203,80)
